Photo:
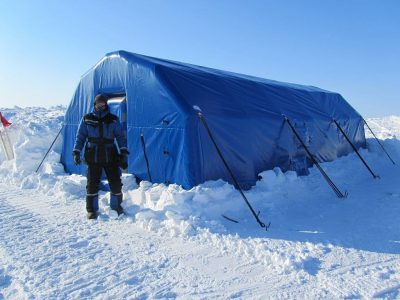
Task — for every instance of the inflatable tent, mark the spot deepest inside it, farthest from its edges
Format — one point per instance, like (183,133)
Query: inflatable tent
(158,102)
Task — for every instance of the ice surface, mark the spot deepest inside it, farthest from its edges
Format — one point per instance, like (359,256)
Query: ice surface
(174,243)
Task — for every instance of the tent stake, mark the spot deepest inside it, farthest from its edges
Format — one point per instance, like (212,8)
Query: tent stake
(203,120)
(326,177)
(49,149)
(383,148)
(355,149)
(145,155)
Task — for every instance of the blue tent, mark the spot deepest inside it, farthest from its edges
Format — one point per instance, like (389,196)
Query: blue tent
(158,102)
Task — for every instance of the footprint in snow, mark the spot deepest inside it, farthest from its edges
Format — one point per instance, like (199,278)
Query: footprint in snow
(312,265)
(5,281)
(80,244)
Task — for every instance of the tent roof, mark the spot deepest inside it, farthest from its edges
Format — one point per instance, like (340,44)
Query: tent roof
(132,57)
(228,93)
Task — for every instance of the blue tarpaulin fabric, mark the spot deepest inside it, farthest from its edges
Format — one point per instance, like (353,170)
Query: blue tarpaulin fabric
(244,113)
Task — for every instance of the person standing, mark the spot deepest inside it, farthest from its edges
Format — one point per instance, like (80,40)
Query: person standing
(97,132)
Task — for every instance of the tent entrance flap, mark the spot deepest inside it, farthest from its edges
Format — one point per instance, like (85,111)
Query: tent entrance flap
(117,106)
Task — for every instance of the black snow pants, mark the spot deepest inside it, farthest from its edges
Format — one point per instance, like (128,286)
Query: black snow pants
(113,174)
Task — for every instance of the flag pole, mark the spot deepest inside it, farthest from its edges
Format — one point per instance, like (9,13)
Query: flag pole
(5,139)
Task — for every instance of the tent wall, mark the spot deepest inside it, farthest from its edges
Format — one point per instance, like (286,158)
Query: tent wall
(245,114)
(246,119)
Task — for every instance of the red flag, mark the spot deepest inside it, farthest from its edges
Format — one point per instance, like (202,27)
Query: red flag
(4,121)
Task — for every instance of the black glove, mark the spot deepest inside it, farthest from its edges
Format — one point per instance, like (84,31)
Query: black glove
(123,159)
(77,157)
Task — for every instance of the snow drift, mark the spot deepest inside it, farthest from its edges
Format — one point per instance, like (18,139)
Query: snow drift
(313,234)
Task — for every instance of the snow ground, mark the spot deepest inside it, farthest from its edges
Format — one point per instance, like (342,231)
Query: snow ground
(173,243)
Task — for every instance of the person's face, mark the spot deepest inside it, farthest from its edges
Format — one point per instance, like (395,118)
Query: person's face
(100,106)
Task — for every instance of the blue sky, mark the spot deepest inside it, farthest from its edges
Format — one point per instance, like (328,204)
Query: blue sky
(351,47)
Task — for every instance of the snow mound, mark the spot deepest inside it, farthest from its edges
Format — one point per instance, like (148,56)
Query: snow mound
(384,128)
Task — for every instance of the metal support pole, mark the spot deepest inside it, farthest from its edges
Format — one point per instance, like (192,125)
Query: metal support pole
(326,177)
(256,215)
(383,148)
(145,156)
(355,149)
(49,149)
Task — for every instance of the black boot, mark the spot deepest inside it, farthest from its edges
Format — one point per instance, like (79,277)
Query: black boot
(91,215)
(115,203)
(92,206)
(120,210)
